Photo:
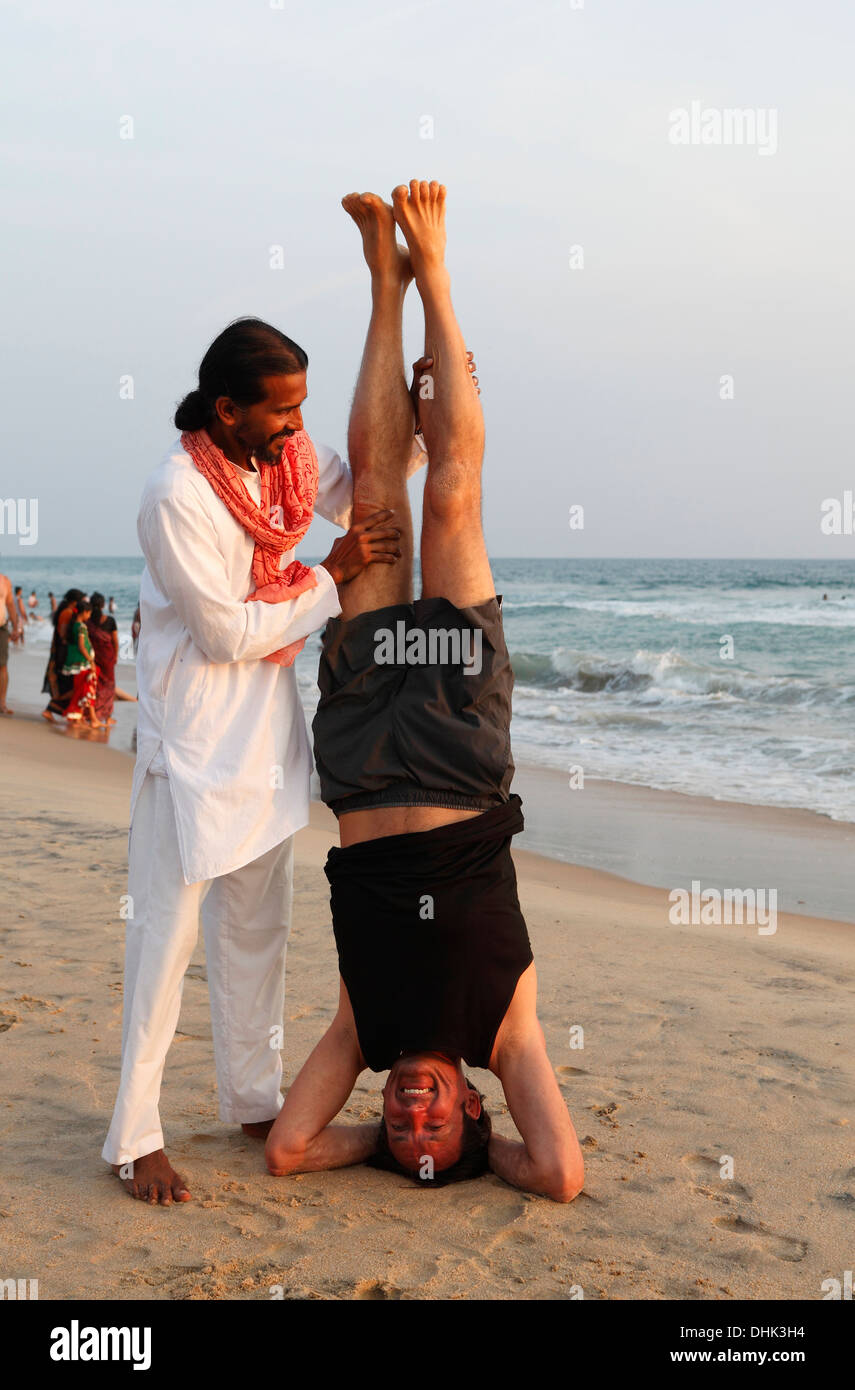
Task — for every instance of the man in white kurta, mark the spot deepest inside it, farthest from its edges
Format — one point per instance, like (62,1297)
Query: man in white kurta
(221,784)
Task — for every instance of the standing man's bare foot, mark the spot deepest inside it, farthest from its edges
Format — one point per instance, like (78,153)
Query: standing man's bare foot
(419,211)
(260,1130)
(153,1179)
(376,221)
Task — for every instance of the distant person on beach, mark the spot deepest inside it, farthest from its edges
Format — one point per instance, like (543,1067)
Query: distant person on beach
(33,604)
(414,758)
(8,619)
(52,601)
(80,666)
(222,775)
(57,684)
(23,616)
(104,636)
(111,605)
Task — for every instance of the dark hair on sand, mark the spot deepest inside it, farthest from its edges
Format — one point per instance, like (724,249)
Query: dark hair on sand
(234,366)
(473,1160)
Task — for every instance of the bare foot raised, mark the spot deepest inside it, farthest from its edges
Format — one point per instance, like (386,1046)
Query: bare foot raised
(152,1179)
(419,211)
(376,222)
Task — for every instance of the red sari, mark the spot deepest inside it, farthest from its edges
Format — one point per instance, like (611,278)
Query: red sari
(105,660)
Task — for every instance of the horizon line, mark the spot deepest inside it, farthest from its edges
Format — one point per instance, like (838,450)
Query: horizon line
(756,559)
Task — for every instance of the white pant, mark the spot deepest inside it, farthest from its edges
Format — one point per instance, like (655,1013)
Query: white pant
(246,917)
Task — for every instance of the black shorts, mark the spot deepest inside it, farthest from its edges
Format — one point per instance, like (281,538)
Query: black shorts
(431,730)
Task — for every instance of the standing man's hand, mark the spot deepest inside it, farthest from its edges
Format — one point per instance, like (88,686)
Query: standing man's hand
(421,370)
(368,542)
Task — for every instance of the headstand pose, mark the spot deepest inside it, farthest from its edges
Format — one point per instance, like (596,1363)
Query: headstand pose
(413,751)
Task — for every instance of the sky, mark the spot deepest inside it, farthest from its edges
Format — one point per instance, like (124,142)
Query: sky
(663,330)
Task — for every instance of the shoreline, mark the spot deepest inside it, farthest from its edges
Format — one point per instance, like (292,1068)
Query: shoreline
(641,835)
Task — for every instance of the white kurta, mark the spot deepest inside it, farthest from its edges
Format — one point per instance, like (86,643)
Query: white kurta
(231,726)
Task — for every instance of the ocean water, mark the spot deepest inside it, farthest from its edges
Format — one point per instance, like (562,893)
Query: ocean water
(619,669)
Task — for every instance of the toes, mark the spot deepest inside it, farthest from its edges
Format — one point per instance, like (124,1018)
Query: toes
(400,194)
(415,190)
(424,191)
(179,1189)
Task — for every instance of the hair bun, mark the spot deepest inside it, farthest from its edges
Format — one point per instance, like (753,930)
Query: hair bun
(192,413)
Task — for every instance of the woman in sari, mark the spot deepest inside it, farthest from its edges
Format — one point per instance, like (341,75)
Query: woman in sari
(104,636)
(80,665)
(59,686)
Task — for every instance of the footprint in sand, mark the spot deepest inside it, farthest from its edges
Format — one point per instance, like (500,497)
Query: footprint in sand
(7,1020)
(782,1247)
(606,1113)
(844,1196)
(377,1289)
(708,1170)
(571,1071)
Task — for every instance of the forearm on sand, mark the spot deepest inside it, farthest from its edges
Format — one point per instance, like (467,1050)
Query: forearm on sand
(337,1146)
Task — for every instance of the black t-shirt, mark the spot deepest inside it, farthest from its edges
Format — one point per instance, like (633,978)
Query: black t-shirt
(431,940)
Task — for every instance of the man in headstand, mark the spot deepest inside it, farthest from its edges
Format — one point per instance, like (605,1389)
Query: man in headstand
(414,758)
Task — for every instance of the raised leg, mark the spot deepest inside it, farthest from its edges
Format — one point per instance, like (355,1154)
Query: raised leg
(453,554)
(382,421)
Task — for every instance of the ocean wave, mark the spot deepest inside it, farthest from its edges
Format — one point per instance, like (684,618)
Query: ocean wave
(717,611)
(668,675)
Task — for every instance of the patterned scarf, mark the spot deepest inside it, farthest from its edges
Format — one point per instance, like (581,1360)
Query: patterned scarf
(288,492)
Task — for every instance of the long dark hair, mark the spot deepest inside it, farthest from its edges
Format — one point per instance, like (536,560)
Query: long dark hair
(71,596)
(97,602)
(234,366)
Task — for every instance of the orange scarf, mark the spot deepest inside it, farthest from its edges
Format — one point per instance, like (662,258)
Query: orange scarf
(288,492)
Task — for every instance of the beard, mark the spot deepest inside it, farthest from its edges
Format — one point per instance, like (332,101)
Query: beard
(267,451)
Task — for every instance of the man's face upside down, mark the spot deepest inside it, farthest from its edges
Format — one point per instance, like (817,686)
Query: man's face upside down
(424,1101)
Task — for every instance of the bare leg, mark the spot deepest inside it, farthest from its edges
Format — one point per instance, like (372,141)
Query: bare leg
(382,421)
(4,686)
(454,557)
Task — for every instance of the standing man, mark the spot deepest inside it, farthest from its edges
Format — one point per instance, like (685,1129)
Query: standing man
(221,781)
(23,618)
(8,614)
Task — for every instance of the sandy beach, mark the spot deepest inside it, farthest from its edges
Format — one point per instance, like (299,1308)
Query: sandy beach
(700,1042)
